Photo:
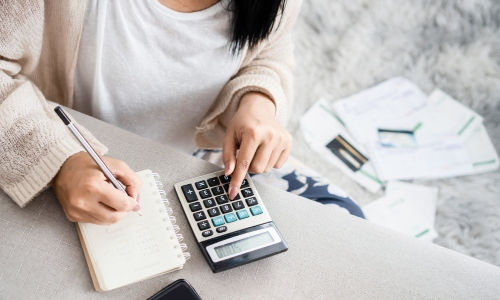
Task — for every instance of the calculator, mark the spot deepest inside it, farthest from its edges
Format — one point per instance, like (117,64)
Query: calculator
(230,233)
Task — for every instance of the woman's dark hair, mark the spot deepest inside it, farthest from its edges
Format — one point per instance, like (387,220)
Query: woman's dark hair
(253,21)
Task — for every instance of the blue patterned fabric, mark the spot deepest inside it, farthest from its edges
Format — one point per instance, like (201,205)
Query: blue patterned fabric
(294,177)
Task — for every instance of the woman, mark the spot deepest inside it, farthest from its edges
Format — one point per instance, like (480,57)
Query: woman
(153,67)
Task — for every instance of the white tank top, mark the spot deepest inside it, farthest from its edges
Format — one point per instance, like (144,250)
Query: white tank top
(152,70)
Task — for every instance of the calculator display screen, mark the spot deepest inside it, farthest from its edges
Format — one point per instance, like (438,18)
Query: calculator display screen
(243,244)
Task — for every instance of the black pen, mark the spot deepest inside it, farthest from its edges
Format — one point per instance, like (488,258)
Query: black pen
(117,184)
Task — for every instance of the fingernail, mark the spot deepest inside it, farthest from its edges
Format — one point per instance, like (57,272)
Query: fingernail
(137,208)
(232,192)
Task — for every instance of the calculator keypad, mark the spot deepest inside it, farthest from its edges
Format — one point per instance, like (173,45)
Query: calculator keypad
(217,210)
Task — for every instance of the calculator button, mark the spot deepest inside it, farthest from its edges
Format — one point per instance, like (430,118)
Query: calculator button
(247,192)
(195,206)
(225,179)
(217,221)
(221,199)
(199,216)
(238,205)
(251,201)
(221,229)
(242,214)
(230,217)
(209,203)
(189,192)
(203,225)
(213,181)
(236,197)
(207,233)
(217,190)
(201,185)
(256,210)
(205,194)
(244,184)
(226,187)
(226,208)
(213,212)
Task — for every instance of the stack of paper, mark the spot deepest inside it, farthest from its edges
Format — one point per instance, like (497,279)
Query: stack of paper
(407,208)
(400,133)
(326,134)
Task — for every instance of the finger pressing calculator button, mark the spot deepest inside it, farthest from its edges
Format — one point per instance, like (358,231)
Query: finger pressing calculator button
(237,197)
(209,203)
(242,214)
(251,201)
(199,215)
(195,206)
(230,217)
(207,233)
(238,205)
(221,199)
(256,210)
(217,221)
(247,192)
(217,190)
(213,181)
(203,225)
(244,184)
(226,208)
(201,184)
(221,229)
(205,194)
(213,212)
(189,192)
(225,179)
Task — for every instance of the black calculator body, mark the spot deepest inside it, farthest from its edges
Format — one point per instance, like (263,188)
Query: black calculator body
(230,233)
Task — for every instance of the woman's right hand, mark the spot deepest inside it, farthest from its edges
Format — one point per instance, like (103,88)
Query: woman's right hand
(87,196)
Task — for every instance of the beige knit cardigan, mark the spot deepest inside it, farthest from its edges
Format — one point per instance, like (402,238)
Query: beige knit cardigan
(38,52)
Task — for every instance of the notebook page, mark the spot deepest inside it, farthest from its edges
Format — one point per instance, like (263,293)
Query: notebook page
(137,247)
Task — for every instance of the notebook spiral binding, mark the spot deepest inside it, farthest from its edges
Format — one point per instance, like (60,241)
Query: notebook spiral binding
(168,210)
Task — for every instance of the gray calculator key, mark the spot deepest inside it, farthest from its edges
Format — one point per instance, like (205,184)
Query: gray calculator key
(214,211)
(238,205)
(221,199)
(244,184)
(217,190)
(226,208)
(189,192)
(201,184)
(225,179)
(199,216)
(251,201)
(203,225)
(209,203)
(213,181)
(221,229)
(247,192)
(207,233)
(195,206)
(205,194)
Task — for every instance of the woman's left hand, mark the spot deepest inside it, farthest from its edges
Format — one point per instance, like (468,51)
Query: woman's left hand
(263,143)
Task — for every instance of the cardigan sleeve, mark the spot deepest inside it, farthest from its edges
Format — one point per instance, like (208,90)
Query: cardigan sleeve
(33,142)
(267,69)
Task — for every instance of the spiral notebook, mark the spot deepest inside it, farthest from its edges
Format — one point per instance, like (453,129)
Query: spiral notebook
(137,247)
